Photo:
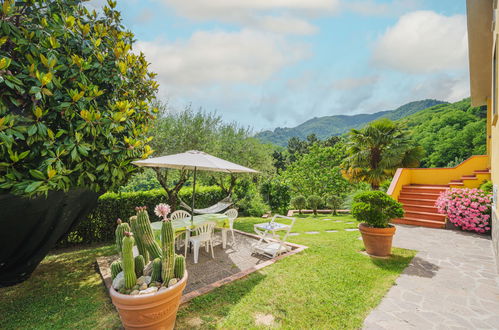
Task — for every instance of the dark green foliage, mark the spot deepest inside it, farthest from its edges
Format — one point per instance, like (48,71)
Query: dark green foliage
(324,127)
(487,186)
(139,265)
(299,202)
(277,195)
(179,266)
(314,202)
(334,202)
(317,172)
(74,99)
(449,133)
(100,224)
(376,208)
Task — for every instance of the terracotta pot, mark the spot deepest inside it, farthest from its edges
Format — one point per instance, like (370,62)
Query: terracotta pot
(151,311)
(378,241)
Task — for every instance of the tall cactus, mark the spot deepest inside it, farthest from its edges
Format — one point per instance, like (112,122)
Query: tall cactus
(139,265)
(116,268)
(156,270)
(168,249)
(144,231)
(128,261)
(120,233)
(179,266)
(138,239)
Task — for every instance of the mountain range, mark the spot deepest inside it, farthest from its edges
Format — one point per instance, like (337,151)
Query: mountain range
(324,127)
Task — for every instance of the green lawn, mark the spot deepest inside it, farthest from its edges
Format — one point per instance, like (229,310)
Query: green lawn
(329,285)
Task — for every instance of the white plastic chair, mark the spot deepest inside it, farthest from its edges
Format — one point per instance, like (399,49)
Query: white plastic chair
(232,215)
(270,242)
(204,235)
(179,215)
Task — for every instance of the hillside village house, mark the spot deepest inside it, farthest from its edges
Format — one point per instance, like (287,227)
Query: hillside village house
(418,188)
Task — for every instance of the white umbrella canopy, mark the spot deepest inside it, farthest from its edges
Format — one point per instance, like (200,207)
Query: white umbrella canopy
(194,160)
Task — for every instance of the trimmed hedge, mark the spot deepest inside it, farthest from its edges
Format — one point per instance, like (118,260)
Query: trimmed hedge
(101,223)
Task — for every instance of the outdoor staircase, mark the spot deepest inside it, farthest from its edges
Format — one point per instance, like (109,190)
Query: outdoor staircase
(419,200)
(419,206)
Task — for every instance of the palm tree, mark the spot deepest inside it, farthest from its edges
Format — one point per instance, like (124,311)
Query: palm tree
(377,150)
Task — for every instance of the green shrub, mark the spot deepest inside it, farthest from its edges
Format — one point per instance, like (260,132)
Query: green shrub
(487,186)
(299,202)
(376,208)
(276,194)
(314,202)
(101,223)
(334,202)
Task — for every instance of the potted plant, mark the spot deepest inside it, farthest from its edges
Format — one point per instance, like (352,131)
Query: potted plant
(147,293)
(374,209)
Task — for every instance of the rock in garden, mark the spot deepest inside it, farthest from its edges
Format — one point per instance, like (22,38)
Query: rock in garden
(148,269)
(162,289)
(144,279)
(173,281)
(134,292)
(143,286)
(149,290)
(119,281)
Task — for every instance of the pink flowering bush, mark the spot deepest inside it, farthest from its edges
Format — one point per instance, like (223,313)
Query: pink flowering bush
(469,209)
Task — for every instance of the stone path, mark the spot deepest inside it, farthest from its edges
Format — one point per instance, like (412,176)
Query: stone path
(452,283)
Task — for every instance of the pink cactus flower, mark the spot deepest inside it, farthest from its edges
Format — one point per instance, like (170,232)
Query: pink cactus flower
(162,210)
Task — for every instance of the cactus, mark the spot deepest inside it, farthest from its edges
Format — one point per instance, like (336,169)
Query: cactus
(139,265)
(116,268)
(120,233)
(179,269)
(168,249)
(128,261)
(156,270)
(138,240)
(144,231)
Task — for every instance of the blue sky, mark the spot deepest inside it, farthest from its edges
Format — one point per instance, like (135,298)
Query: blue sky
(277,63)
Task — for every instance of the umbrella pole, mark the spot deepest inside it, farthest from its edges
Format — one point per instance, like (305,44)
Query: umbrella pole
(193,194)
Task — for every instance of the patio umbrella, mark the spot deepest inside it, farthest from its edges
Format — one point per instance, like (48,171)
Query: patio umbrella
(194,160)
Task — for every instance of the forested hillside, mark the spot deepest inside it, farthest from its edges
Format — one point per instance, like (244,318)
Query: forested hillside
(324,127)
(449,133)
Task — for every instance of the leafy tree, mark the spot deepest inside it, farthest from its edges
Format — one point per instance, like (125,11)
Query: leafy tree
(299,202)
(314,201)
(377,150)
(334,202)
(180,131)
(317,172)
(74,98)
(277,195)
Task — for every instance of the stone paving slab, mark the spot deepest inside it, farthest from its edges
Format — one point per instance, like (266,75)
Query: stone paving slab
(450,284)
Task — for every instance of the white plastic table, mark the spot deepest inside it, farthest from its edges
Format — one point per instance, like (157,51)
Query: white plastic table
(270,242)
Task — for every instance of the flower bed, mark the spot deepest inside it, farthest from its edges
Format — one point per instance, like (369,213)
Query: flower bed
(468,209)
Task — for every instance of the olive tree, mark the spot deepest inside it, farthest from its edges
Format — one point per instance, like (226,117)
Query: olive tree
(75,107)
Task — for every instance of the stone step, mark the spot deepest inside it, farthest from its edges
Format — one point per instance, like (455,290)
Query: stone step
(419,222)
(420,208)
(425,216)
(415,201)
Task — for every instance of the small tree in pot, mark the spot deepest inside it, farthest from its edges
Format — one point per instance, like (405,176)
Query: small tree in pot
(374,209)
(147,296)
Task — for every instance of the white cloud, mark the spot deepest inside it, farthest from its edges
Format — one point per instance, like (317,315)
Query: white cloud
(451,88)
(422,42)
(216,57)
(278,16)
(374,8)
